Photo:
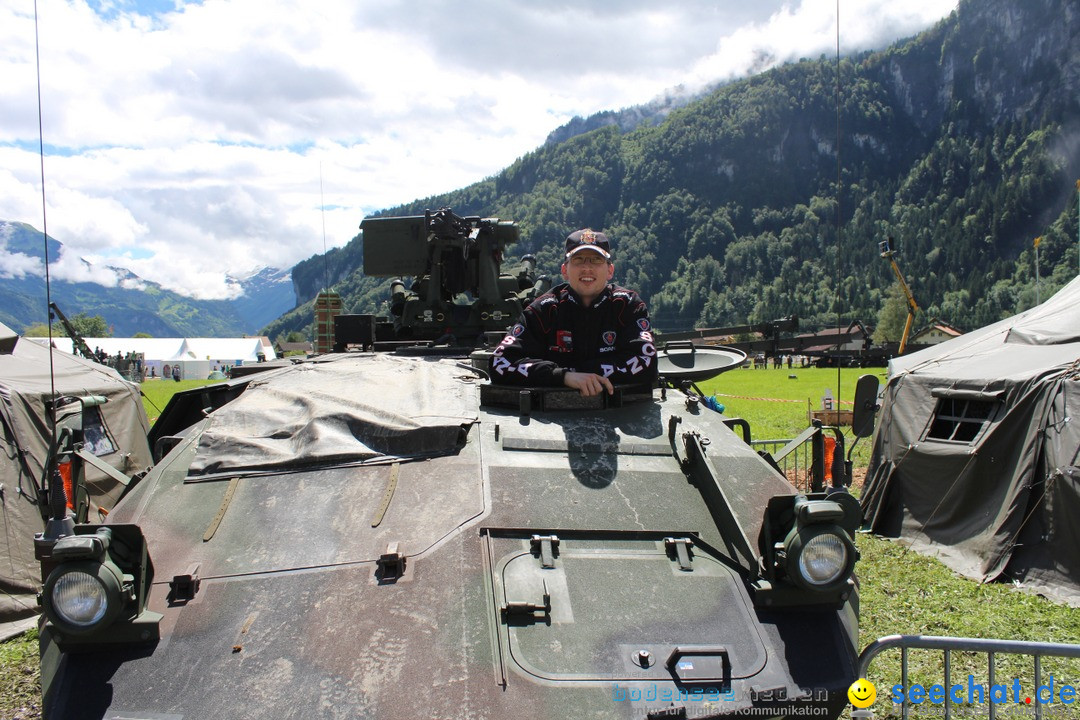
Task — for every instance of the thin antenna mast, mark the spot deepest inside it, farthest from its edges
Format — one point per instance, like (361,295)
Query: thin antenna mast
(60,523)
(322,206)
(839,215)
(44,214)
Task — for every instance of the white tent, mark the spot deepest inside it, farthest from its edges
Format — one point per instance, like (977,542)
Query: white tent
(196,358)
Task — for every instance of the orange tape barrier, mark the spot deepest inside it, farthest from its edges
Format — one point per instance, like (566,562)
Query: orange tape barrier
(747,397)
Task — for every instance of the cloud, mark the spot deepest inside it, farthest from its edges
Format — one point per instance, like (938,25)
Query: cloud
(187,141)
(810,29)
(17,265)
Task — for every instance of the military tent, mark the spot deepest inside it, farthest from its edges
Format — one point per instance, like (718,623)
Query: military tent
(115,433)
(975,455)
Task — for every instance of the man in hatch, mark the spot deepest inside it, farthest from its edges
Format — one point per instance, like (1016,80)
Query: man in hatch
(585,334)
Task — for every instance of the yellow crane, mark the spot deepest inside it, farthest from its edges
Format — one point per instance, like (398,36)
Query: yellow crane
(885,246)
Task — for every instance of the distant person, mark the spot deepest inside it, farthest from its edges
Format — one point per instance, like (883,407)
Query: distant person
(583,334)
(176,373)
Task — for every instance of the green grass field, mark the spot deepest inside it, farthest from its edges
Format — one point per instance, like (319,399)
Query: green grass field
(776,402)
(156,393)
(901,592)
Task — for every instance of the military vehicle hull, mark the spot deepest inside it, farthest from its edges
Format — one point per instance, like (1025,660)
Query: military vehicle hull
(360,536)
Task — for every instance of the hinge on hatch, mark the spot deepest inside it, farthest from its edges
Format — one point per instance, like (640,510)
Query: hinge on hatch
(681,546)
(545,546)
(520,612)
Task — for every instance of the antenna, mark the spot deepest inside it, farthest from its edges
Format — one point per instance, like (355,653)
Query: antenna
(322,205)
(44,214)
(839,216)
(59,523)
(327,303)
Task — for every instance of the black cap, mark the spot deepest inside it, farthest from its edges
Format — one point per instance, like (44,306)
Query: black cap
(588,240)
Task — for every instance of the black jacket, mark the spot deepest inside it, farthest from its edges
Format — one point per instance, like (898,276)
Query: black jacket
(556,334)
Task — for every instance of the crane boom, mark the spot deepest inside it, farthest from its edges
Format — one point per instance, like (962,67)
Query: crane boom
(76,339)
(913,307)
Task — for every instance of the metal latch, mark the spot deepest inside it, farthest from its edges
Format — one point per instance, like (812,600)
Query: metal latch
(391,564)
(545,546)
(521,612)
(681,546)
(182,588)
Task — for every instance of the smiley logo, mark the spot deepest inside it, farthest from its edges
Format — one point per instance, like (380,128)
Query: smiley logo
(862,693)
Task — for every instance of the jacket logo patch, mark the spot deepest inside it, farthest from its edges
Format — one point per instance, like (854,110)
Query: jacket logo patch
(564,341)
(643,323)
(609,337)
(517,330)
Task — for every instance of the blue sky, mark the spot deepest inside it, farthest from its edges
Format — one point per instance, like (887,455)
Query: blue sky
(111,9)
(186,141)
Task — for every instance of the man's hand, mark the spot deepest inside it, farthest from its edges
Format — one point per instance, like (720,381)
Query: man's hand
(588,384)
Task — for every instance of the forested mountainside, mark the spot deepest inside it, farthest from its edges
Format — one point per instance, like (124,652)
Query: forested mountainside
(962,143)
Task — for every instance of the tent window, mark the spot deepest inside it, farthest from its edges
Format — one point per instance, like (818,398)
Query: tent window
(95,433)
(959,420)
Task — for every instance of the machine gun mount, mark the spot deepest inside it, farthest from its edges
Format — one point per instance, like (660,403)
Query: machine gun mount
(459,291)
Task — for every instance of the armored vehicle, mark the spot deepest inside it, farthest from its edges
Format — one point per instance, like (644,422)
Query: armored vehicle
(388,535)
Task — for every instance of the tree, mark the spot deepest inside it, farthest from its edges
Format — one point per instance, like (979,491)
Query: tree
(88,326)
(38,329)
(142,335)
(892,317)
(84,324)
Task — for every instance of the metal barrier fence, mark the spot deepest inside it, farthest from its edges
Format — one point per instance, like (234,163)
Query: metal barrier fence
(796,466)
(948,645)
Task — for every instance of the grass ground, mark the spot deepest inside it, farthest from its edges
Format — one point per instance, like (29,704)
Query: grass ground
(20,689)
(901,592)
(156,394)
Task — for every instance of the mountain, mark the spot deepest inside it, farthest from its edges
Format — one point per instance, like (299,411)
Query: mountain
(627,119)
(747,204)
(128,303)
(267,294)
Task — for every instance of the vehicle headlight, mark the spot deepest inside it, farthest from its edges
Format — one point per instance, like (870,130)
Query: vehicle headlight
(83,596)
(820,557)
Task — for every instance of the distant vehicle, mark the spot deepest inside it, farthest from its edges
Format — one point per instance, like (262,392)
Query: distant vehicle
(386,534)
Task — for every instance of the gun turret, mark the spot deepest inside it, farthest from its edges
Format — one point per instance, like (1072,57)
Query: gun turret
(458,291)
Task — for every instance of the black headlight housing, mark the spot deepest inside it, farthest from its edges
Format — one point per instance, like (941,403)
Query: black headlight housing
(807,549)
(96,585)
